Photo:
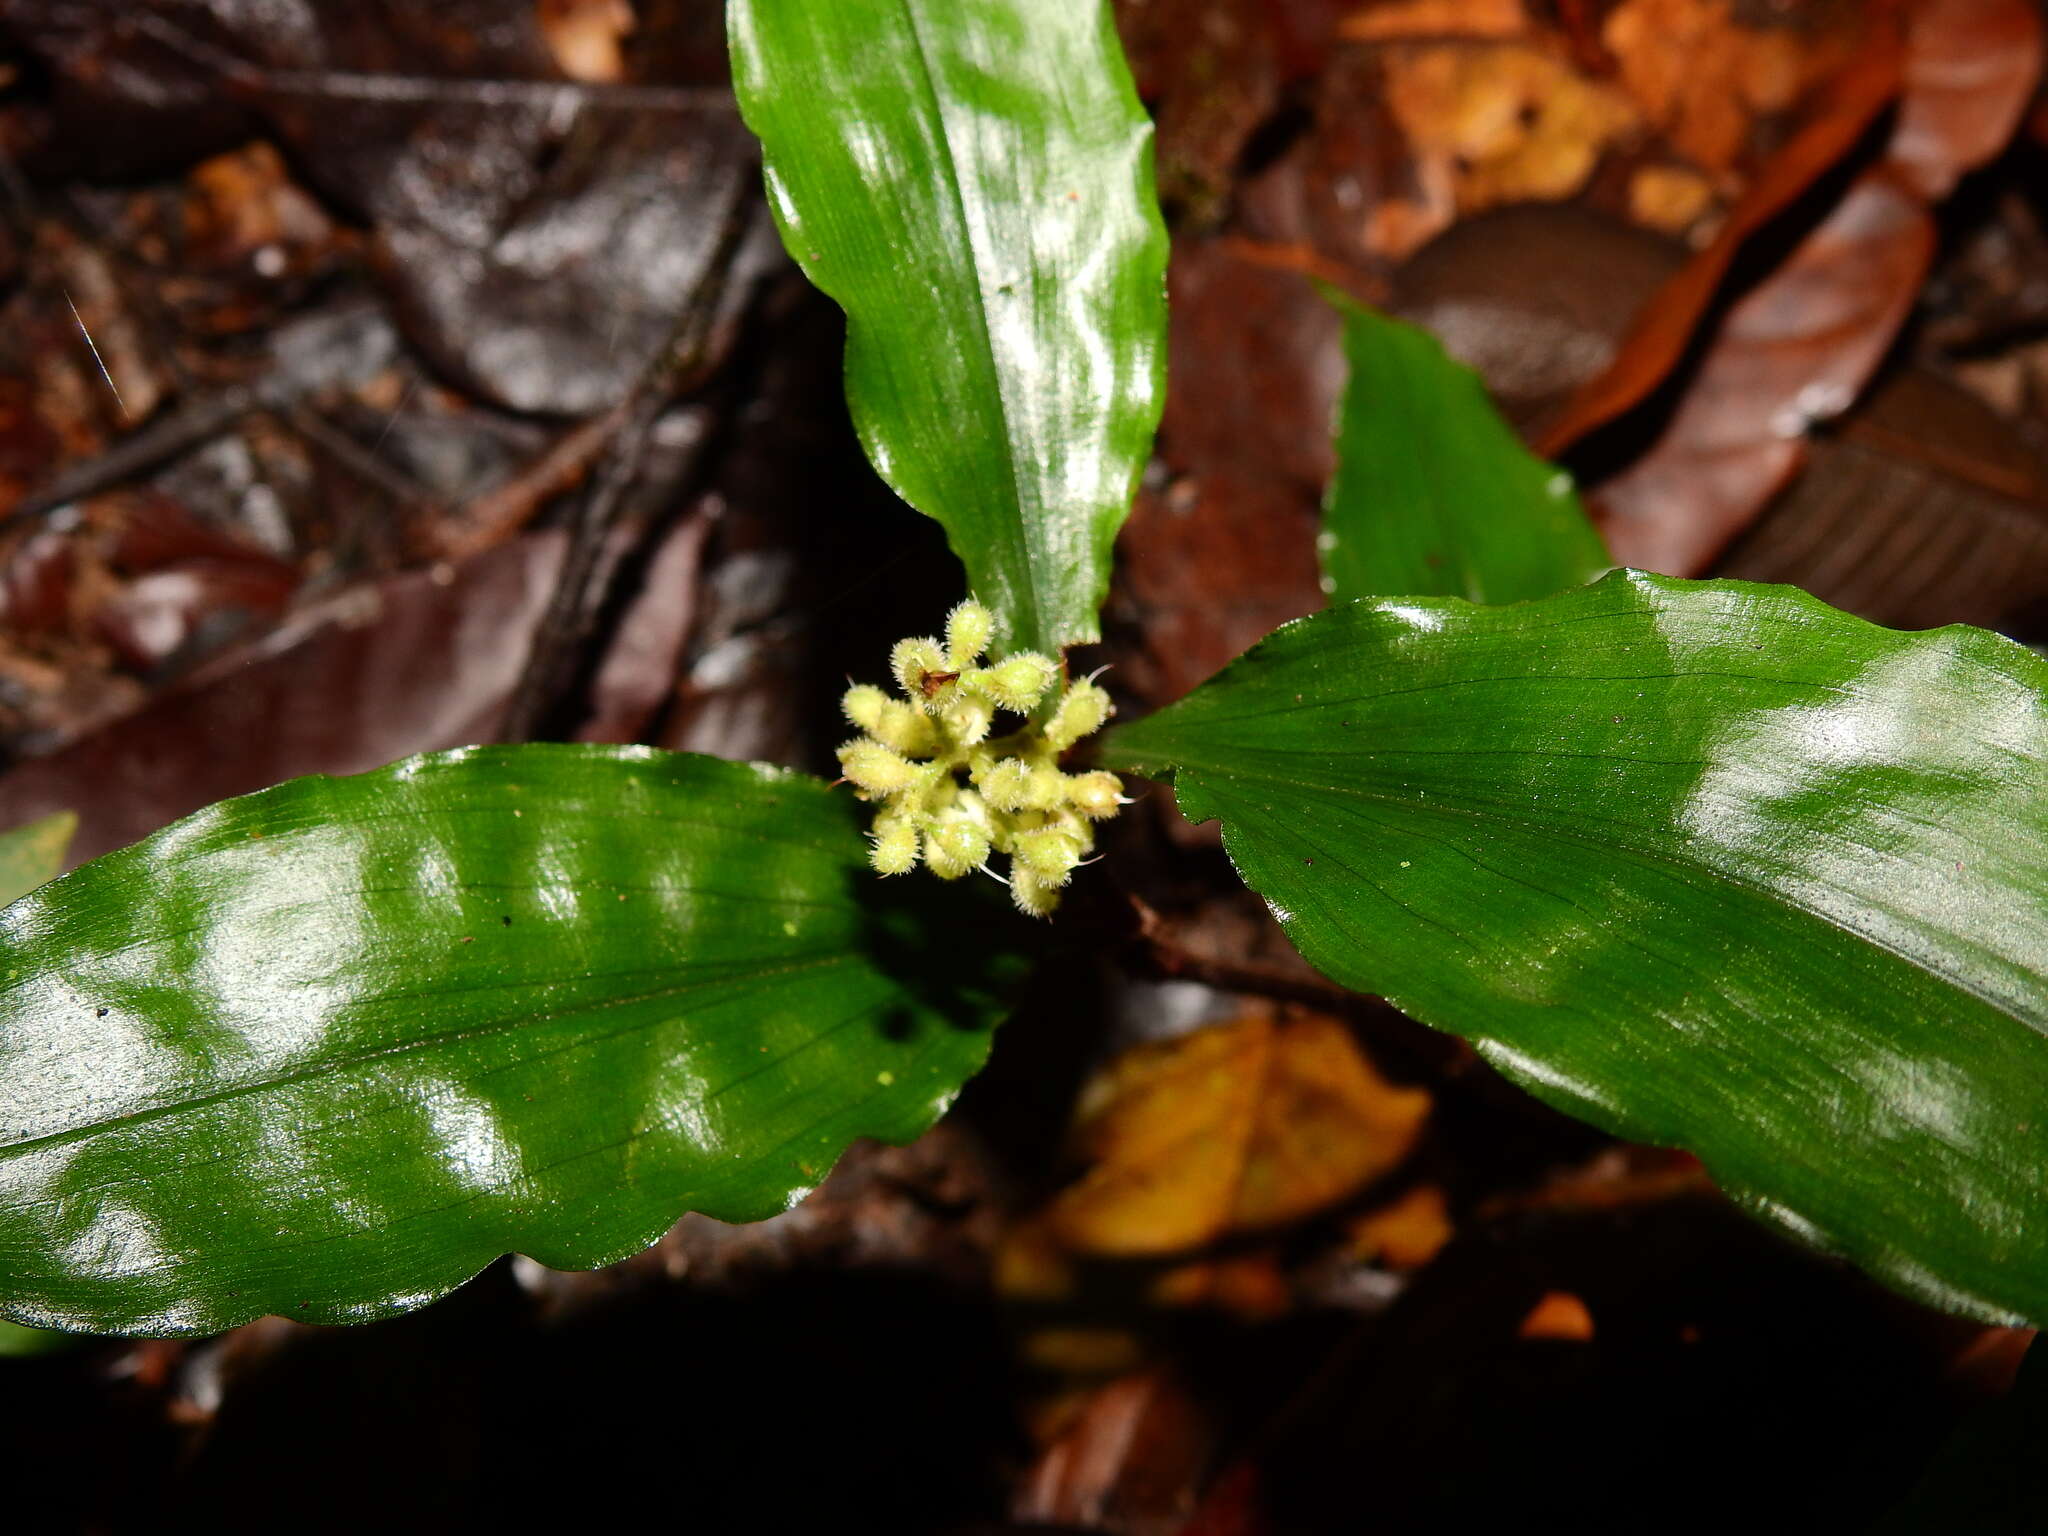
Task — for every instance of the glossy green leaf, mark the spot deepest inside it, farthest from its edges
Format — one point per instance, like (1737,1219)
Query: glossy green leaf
(1709,864)
(329,1049)
(33,853)
(972,181)
(1434,495)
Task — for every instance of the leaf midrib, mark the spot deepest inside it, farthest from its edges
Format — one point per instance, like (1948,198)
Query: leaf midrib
(353,1060)
(1033,630)
(1654,856)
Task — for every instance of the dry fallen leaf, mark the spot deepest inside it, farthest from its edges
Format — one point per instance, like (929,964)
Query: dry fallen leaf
(1129,1459)
(1394,20)
(1843,110)
(1669,198)
(1559,1315)
(1700,76)
(1250,1286)
(1796,349)
(1242,1126)
(1494,123)
(1971,68)
(1406,1234)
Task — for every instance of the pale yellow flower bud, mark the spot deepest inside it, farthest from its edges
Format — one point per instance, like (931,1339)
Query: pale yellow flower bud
(953,847)
(864,705)
(1045,788)
(1095,795)
(1020,681)
(904,728)
(1050,855)
(895,846)
(968,628)
(1006,786)
(1033,896)
(1080,713)
(968,718)
(921,670)
(874,768)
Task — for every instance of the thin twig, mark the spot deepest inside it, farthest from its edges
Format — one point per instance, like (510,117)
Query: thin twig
(426,90)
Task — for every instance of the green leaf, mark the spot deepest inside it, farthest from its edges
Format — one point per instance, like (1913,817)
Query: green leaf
(34,853)
(31,855)
(1434,495)
(1709,864)
(329,1049)
(972,181)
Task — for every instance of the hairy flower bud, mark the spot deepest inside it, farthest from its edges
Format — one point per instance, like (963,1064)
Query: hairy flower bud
(904,728)
(1081,711)
(968,628)
(921,671)
(1045,788)
(1049,854)
(864,705)
(1034,897)
(874,768)
(1020,681)
(1007,785)
(1095,795)
(968,719)
(895,846)
(954,846)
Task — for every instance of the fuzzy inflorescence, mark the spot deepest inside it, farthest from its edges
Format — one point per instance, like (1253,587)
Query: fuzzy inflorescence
(913,753)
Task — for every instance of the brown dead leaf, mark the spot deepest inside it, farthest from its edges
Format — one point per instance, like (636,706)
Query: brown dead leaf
(1398,20)
(1971,68)
(1845,108)
(1700,76)
(1925,507)
(1798,348)
(1129,1459)
(1235,1128)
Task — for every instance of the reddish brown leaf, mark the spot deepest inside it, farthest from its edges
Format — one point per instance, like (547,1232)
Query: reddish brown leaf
(1535,297)
(1798,348)
(640,670)
(1130,1460)
(1213,71)
(1847,106)
(1924,508)
(1971,67)
(417,662)
(1224,551)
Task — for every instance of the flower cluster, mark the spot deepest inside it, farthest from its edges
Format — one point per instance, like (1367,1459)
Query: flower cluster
(1016,801)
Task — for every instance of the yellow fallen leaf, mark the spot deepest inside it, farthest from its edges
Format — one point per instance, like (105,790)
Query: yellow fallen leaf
(1501,122)
(1251,1286)
(1559,1315)
(1668,197)
(1405,1234)
(1242,1126)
